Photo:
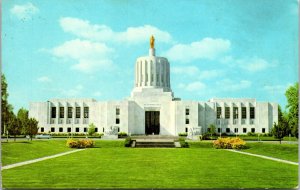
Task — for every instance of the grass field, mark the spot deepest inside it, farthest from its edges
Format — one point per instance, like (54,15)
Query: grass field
(19,151)
(112,165)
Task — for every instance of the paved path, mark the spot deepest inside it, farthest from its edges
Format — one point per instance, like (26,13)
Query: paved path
(265,157)
(38,159)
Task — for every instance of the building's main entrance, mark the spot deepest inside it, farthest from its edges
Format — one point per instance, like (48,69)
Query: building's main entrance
(152,122)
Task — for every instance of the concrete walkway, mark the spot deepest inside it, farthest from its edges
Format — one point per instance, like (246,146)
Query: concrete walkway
(38,159)
(265,157)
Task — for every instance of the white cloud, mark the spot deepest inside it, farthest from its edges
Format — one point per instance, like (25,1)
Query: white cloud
(208,74)
(253,64)
(276,89)
(24,11)
(192,87)
(207,48)
(44,79)
(84,29)
(188,70)
(230,85)
(90,56)
(72,92)
(97,94)
(194,71)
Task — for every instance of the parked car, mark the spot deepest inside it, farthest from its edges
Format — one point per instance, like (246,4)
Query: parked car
(43,136)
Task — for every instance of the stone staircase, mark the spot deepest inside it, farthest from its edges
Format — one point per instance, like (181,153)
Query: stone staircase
(154,143)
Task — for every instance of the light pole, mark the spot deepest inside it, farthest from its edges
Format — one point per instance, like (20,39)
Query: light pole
(236,117)
(220,125)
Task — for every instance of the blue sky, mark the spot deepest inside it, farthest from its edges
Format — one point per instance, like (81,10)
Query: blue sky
(87,49)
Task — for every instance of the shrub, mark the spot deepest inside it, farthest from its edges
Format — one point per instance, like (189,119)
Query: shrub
(128,142)
(183,143)
(182,134)
(251,134)
(206,136)
(83,143)
(229,143)
(122,134)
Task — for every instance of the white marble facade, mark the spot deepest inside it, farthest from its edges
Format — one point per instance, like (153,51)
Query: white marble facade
(152,109)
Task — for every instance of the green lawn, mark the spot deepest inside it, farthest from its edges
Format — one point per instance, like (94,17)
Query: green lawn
(282,151)
(19,151)
(111,165)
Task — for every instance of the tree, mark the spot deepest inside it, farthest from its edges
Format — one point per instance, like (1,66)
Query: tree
(91,131)
(278,131)
(212,130)
(32,127)
(14,126)
(6,108)
(23,117)
(292,96)
(283,121)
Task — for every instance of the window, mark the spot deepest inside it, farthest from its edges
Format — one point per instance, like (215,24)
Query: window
(77,129)
(61,112)
(77,112)
(235,112)
(187,111)
(53,112)
(219,112)
(85,129)
(187,121)
(60,129)
(244,130)
(52,129)
(96,129)
(227,130)
(162,79)
(186,129)
(227,112)
(103,130)
(152,78)
(244,112)
(86,112)
(117,120)
(157,78)
(252,112)
(252,130)
(118,129)
(42,129)
(69,112)
(117,111)
(219,130)
(69,129)
(236,130)
(263,130)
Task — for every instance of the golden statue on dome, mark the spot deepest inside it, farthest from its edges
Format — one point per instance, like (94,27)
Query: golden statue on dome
(152,42)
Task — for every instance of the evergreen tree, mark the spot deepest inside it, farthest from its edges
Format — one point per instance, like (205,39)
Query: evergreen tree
(6,109)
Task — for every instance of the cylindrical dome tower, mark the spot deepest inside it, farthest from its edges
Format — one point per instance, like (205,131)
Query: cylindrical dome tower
(152,71)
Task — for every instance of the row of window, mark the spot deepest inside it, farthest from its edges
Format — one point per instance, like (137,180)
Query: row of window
(235,112)
(236,130)
(69,129)
(70,112)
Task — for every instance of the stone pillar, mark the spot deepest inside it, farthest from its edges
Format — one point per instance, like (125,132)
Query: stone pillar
(57,113)
(66,113)
(248,113)
(231,113)
(49,113)
(239,113)
(154,73)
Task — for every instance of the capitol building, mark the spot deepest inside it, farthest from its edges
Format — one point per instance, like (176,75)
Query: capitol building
(153,109)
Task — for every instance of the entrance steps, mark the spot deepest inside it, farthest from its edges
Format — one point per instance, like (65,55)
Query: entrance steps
(154,144)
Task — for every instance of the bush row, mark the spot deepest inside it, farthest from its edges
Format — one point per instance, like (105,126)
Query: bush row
(122,134)
(82,143)
(182,134)
(229,143)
